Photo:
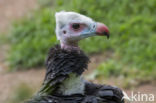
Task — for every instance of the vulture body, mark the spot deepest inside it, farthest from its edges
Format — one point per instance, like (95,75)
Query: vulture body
(65,64)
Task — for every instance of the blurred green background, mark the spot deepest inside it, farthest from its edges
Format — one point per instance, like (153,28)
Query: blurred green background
(132,44)
(131,47)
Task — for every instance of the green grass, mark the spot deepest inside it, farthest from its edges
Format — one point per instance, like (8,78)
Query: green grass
(128,75)
(31,39)
(21,94)
(3,39)
(132,25)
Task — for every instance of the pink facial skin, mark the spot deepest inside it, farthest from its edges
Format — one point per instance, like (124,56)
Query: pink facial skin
(82,26)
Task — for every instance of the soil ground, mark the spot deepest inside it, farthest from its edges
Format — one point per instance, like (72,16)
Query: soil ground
(12,10)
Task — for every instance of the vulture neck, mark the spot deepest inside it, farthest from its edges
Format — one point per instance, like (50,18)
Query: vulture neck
(70,46)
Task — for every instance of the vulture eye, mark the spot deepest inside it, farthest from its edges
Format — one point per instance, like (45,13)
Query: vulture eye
(76,26)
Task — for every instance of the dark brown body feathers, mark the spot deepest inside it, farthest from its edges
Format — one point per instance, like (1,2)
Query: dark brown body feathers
(60,63)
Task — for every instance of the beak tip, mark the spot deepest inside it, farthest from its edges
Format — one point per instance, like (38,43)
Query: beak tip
(102,30)
(108,36)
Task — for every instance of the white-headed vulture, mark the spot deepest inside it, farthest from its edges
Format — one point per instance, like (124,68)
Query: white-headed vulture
(66,62)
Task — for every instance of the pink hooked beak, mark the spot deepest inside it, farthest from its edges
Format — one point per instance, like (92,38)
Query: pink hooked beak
(102,30)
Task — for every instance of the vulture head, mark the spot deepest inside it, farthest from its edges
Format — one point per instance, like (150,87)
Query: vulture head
(71,27)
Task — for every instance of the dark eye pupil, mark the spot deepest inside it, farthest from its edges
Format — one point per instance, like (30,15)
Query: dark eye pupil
(76,26)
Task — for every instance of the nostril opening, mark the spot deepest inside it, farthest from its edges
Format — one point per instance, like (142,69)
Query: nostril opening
(64,32)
